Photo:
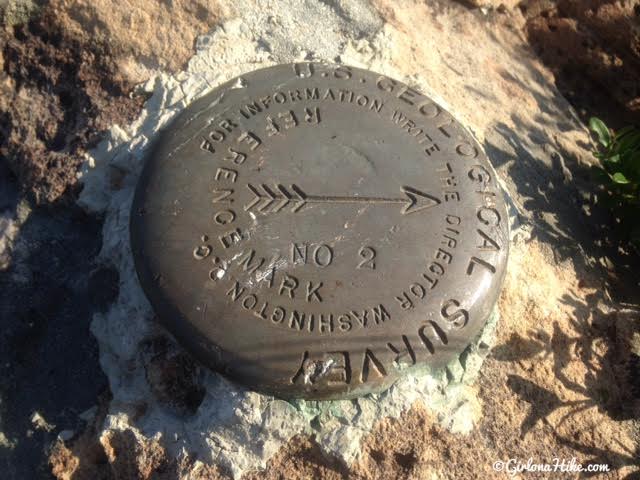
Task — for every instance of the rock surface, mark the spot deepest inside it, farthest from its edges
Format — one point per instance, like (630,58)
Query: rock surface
(165,32)
(591,46)
(561,380)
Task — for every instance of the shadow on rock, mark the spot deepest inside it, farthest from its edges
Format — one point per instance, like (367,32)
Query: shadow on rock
(554,187)
(611,382)
(606,457)
(48,358)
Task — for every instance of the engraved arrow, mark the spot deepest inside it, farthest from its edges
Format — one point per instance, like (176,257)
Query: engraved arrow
(267,199)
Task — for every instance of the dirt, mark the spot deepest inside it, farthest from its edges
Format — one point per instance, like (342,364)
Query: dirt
(57,95)
(87,458)
(68,73)
(173,377)
(593,48)
(562,381)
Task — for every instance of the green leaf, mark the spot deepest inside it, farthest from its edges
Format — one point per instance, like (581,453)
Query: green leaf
(619,177)
(601,130)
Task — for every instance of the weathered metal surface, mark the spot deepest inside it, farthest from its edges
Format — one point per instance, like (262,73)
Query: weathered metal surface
(315,230)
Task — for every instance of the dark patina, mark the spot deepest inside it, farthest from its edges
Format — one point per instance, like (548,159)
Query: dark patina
(316,230)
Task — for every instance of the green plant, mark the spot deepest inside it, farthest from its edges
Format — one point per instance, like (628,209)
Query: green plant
(619,155)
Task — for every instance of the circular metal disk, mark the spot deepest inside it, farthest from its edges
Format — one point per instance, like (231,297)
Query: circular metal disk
(315,230)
